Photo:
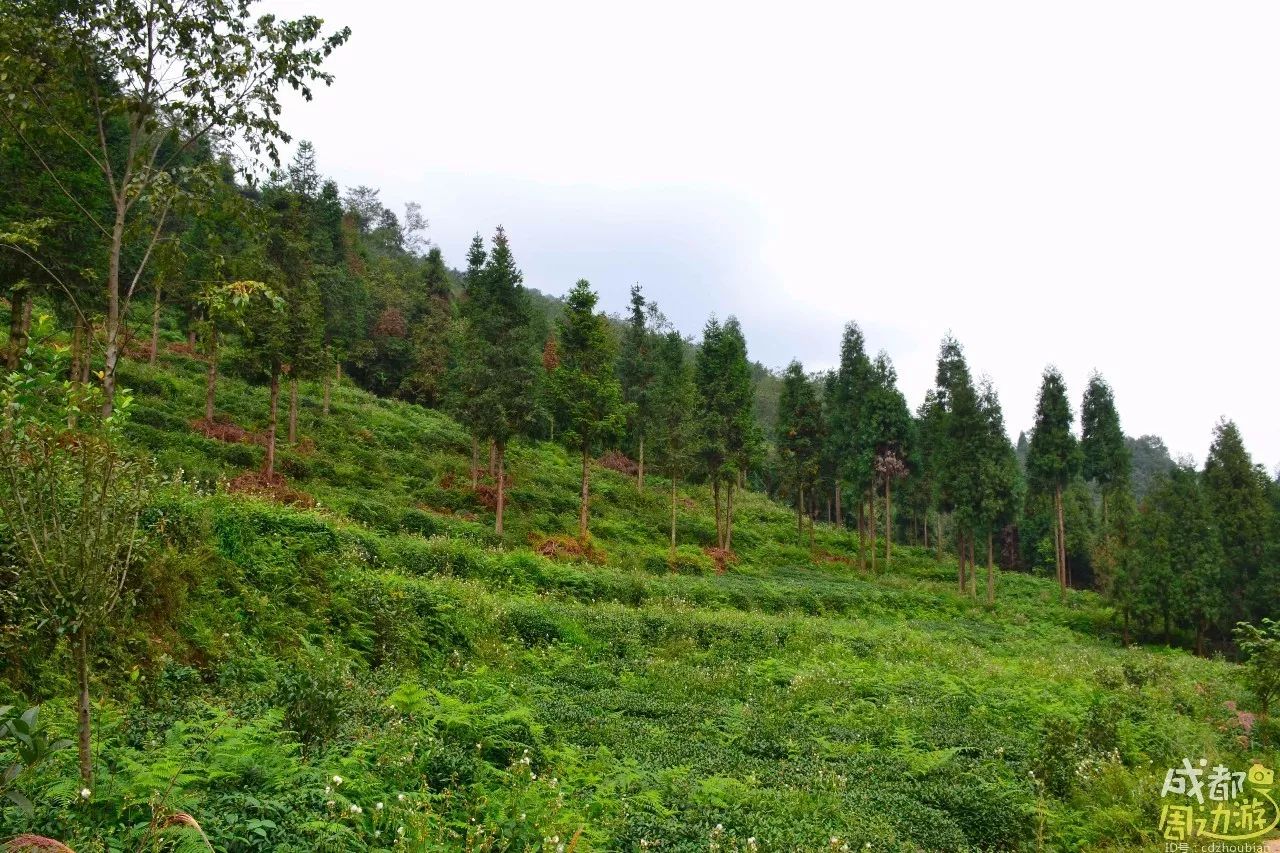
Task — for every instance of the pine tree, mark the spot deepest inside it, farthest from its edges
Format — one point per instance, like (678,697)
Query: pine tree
(636,370)
(1053,458)
(429,334)
(1104,454)
(1237,494)
(884,436)
(799,437)
(672,426)
(851,383)
(587,395)
(726,418)
(498,358)
(957,451)
(1000,477)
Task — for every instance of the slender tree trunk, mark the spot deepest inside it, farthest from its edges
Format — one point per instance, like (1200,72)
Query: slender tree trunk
(293,410)
(86,354)
(475,463)
(973,568)
(493,458)
(112,349)
(271,423)
(501,454)
(77,343)
(862,539)
(640,467)
(586,492)
(839,508)
(1199,638)
(327,394)
(938,544)
(211,376)
(1104,511)
(673,516)
(960,573)
(728,516)
(926,528)
(191,339)
(715,496)
(19,326)
(888,522)
(1062,544)
(800,515)
(991,568)
(871,502)
(1124,629)
(155,324)
(1167,631)
(80,656)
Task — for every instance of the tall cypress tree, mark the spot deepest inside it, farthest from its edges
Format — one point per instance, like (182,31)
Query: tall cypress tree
(636,369)
(1104,454)
(1053,457)
(1000,477)
(587,395)
(1237,494)
(884,439)
(500,358)
(799,436)
(852,380)
(959,443)
(726,417)
(673,401)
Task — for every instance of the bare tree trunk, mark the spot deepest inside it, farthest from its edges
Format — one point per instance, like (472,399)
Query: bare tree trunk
(19,326)
(112,349)
(728,516)
(1124,630)
(640,467)
(1060,535)
(862,539)
(327,394)
(715,497)
(926,528)
(475,463)
(800,515)
(86,360)
(293,409)
(839,508)
(673,516)
(828,509)
(938,529)
(991,568)
(586,493)
(77,347)
(973,569)
(80,655)
(155,324)
(211,376)
(872,525)
(271,423)
(888,522)
(501,453)
(493,458)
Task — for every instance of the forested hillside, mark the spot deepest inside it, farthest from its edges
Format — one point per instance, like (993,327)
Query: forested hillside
(313,538)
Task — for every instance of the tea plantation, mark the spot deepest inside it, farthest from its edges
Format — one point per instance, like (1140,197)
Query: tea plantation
(358,663)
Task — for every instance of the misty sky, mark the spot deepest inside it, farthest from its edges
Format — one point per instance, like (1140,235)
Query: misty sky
(1094,185)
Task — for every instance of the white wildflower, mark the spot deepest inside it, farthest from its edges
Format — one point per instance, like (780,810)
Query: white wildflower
(85,793)
(378,806)
(337,780)
(356,809)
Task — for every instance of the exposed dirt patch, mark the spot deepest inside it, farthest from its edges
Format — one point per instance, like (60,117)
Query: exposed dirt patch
(723,557)
(615,460)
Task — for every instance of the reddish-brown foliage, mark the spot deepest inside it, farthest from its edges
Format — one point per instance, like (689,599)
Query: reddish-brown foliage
(559,547)
(616,460)
(391,324)
(222,429)
(550,355)
(274,488)
(723,558)
(183,348)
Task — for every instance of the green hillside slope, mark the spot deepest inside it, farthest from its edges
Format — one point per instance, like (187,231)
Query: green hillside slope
(471,693)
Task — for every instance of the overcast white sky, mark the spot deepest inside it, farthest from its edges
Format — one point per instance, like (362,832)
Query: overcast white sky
(1093,184)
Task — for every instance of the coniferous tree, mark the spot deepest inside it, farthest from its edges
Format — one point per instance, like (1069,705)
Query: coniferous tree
(852,381)
(1053,458)
(799,437)
(729,435)
(429,334)
(1237,495)
(587,395)
(499,361)
(1104,455)
(673,400)
(1000,477)
(636,370)
(885,439)
(961,435)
